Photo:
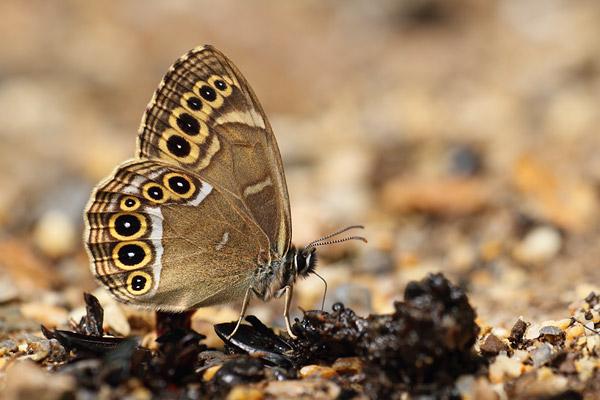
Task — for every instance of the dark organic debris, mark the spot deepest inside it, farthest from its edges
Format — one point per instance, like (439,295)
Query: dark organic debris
(84,344)
(88,338)
(493,346)
(518,332)
(167,320)
(592,299)
(236,371)
(257,339)
(565,362)
(423,346)
(420,348)
(166,371)
(91,322)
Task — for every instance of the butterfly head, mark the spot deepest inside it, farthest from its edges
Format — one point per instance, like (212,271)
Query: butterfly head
(305,262)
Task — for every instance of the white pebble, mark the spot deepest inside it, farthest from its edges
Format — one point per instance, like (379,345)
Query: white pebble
(55,234)
(540,244)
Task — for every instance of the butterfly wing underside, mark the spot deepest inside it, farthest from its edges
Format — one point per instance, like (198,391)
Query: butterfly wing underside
(185,224)
(151,244)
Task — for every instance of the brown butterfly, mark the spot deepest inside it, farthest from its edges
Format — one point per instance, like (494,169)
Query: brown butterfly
(201,216)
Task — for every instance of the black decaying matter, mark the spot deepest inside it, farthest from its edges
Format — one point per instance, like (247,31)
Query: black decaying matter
(422,347)
(419,349)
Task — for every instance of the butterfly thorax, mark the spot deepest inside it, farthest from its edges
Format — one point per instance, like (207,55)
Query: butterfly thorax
(271,278)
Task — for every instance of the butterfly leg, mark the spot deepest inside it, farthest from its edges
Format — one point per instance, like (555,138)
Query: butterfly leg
(243,311)
(286,311)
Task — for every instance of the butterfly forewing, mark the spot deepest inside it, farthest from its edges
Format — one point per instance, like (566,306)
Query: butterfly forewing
(205,118)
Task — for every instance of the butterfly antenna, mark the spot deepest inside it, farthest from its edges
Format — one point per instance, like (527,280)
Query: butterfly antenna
(320,242)
(324,292)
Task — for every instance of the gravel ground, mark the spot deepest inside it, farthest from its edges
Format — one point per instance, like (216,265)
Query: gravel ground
(464,137)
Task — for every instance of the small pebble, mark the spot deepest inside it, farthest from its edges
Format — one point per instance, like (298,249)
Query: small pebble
(27,380)
(567,366)
(471,388)
(553,383)
(518,331)
(540,244)
(586,367)
(46,314)
(210,372)
(8,289)
(490,249)
(533,331)
(563,323)
(244,392)
(593,344)
(115,319)
(552,333)
(317,371)
(348,365)
(39,349)
(504,368)
(463,161)
(493,345)
(302,389)
(521,355)
(542,355)
(464,384)
(8,346)
(55,234)
(575,331)
(590,328)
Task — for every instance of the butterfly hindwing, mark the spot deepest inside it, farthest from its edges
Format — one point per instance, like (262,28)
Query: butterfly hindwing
(159,236)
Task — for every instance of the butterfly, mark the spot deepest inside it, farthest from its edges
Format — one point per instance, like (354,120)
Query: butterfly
(201,215)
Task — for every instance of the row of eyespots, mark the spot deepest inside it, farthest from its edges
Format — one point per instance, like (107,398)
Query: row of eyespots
(139,282)
(212,92)
(133,254)
(179,187)
(205,97)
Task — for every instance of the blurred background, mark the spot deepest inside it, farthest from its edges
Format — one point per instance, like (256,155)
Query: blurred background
(464,136)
